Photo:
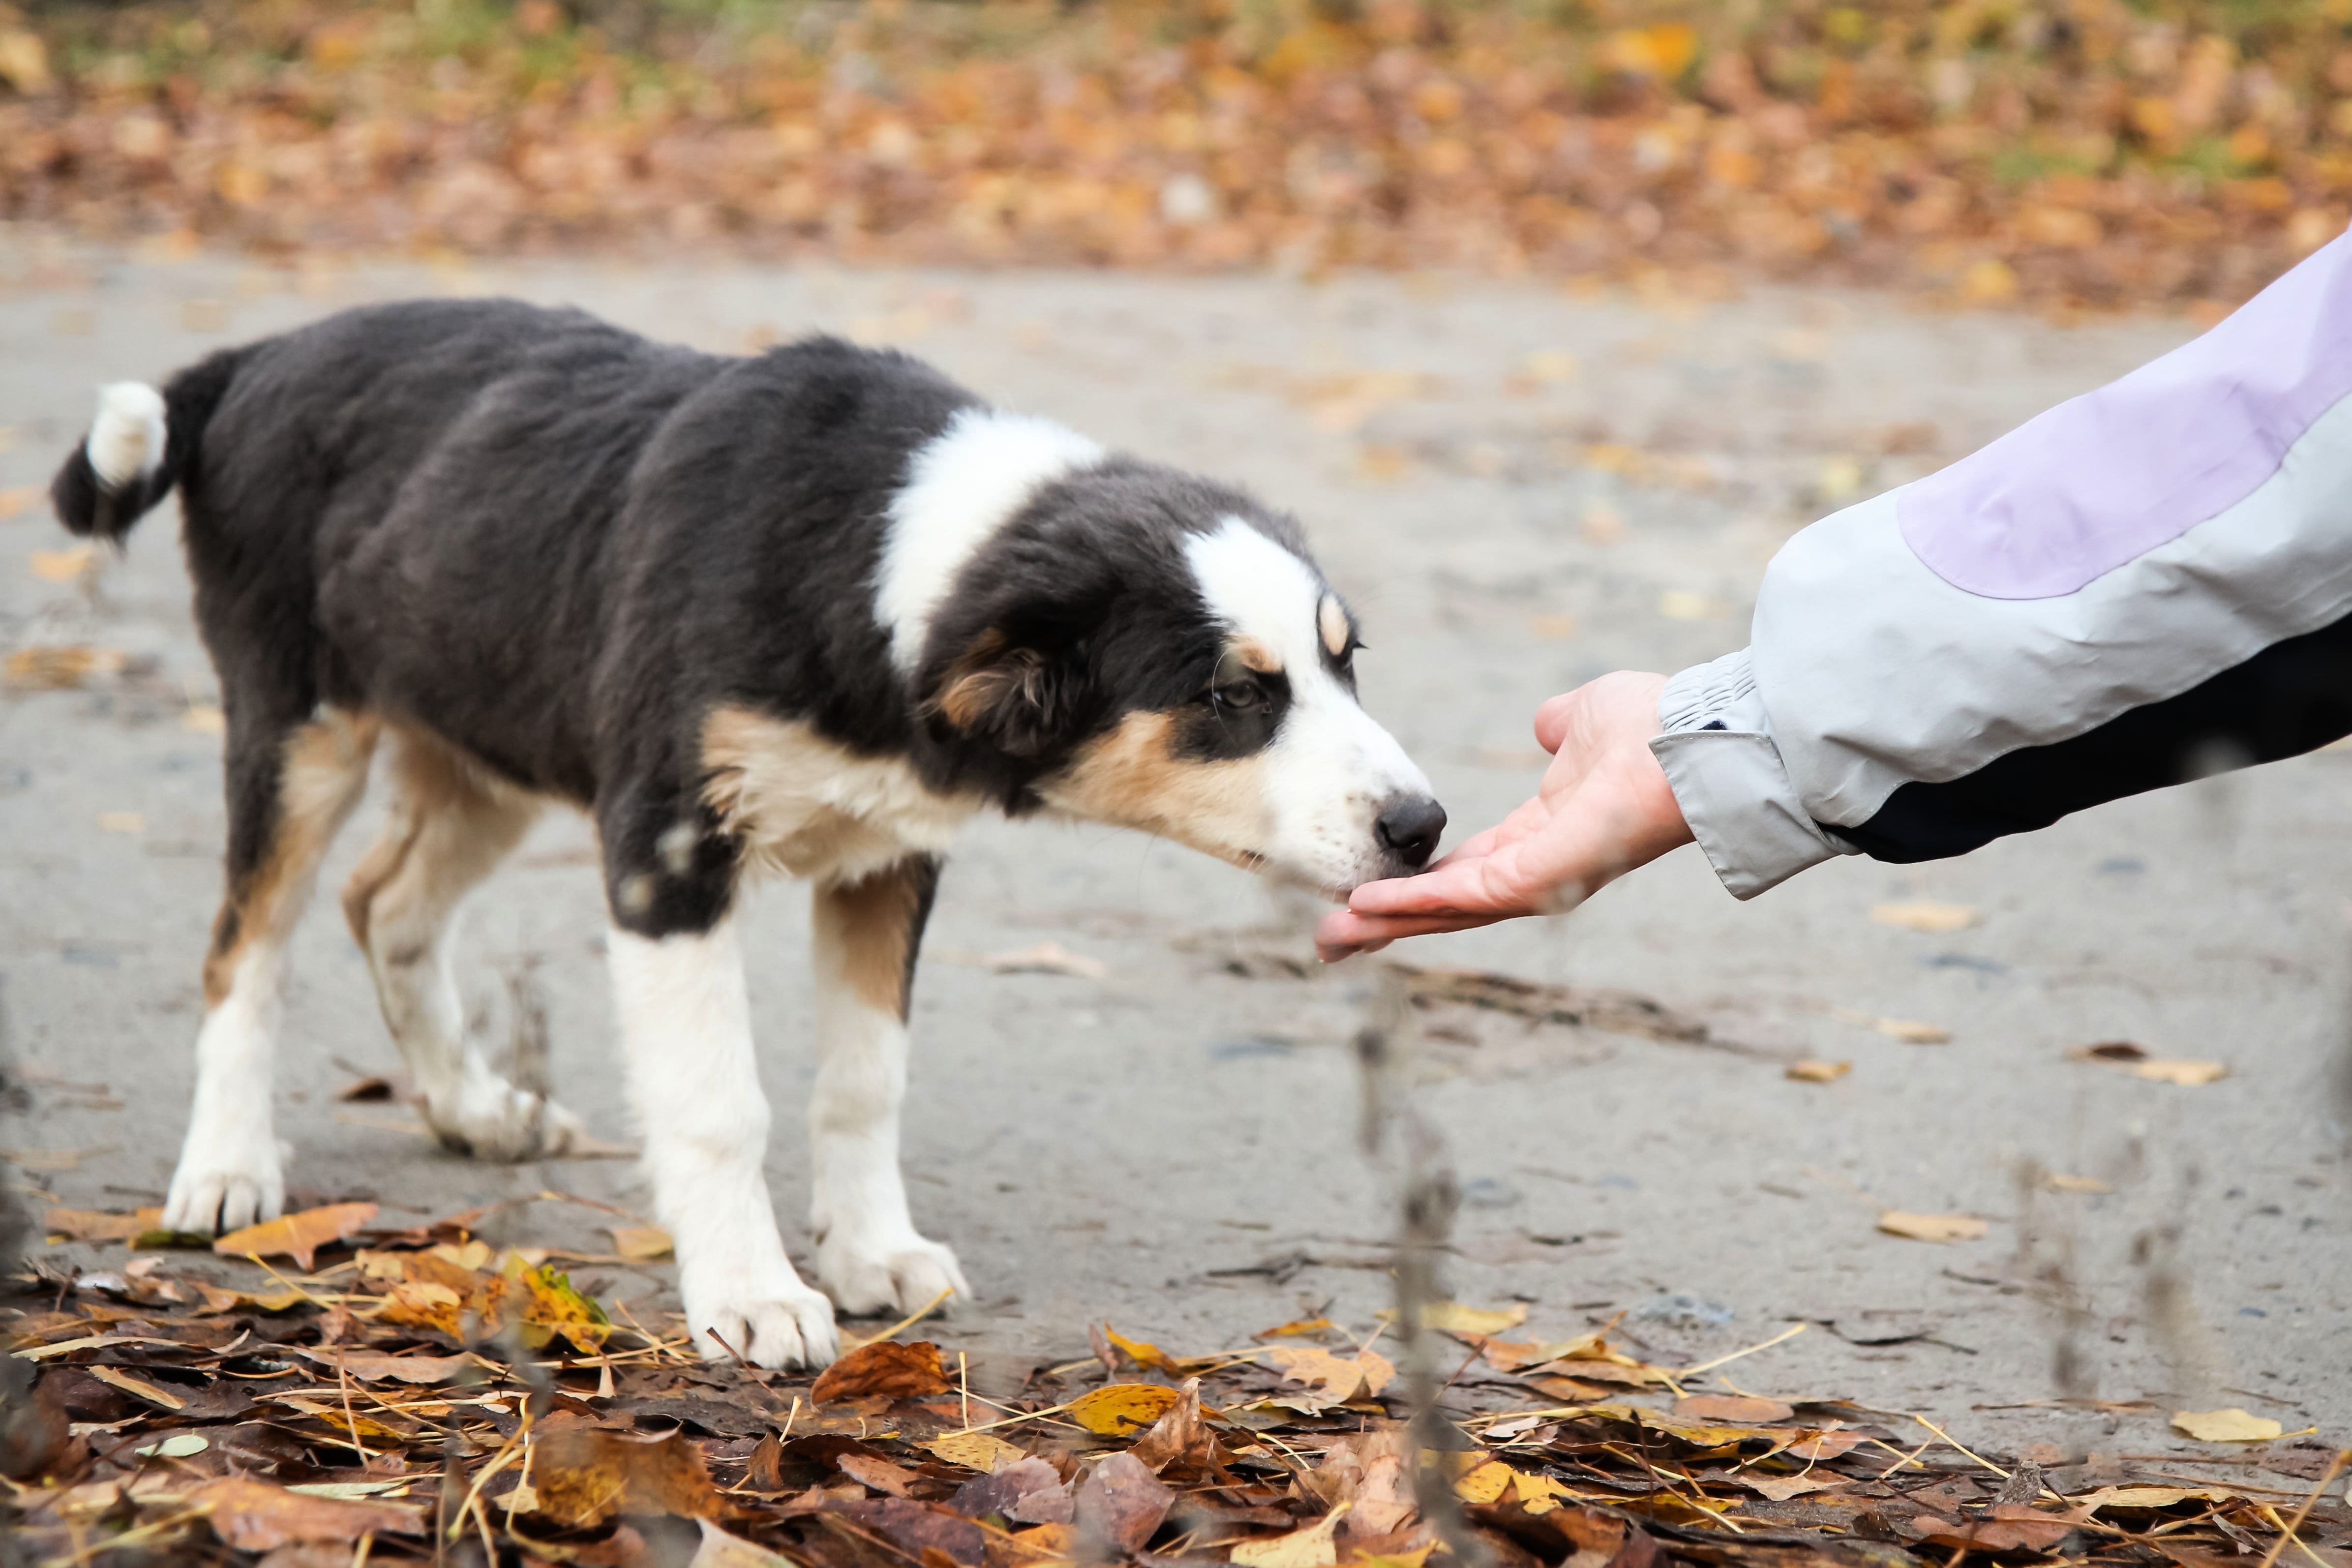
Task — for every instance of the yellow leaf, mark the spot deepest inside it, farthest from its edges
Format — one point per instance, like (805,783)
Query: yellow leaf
(1486,1483)
(1142,1352)
(2149,1497)
(297,1236)
(138,1387)
(976,1451)
(2187,1074)
(640,1243)
(23,61)
(1931,1227)
(1327,1375)
(1312,1547)
(2055,1181)
(720,1550)
(1913,1034)
(1818,1072)
(1454,1318)
(1416,1558)
(1120,1409)
(1926,914)
(1297,1327)
(2230,1426)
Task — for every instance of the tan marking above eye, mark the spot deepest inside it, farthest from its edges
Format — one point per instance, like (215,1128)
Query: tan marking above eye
(1257,656)
(1331,620)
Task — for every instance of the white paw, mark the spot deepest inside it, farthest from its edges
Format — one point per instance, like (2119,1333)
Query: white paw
(225,1182)
(774,1322)
(899,1273)
(490,1119)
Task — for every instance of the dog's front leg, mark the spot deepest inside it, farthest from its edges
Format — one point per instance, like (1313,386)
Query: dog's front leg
(686,1027)
(870,1254)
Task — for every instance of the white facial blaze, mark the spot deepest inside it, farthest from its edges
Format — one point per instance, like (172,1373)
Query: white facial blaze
(961,487)
(1330,769)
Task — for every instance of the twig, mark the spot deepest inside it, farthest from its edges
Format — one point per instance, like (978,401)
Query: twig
(344,1383)
(1791,1332)
(903,1324)
(2287,1531)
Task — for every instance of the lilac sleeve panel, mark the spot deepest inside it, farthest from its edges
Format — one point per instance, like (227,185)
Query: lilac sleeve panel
(2098,481)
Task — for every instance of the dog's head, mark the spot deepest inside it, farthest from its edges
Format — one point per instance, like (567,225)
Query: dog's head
(1137,646)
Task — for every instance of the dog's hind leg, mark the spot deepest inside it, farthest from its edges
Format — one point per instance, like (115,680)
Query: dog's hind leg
(448,828)
(869,1256)
(290,786)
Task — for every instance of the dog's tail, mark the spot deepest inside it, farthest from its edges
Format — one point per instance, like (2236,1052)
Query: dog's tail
(139,446)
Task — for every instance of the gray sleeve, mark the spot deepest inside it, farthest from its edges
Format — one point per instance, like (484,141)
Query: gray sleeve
(1728,777)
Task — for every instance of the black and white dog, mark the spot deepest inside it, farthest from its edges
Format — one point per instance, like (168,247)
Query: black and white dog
(806,611)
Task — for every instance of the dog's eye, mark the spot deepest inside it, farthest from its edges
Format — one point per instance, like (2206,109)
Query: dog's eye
(1239,696)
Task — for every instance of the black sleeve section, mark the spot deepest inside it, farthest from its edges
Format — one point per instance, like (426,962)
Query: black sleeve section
(2293,696)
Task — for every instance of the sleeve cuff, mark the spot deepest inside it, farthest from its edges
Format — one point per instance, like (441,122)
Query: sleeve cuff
(1726,774)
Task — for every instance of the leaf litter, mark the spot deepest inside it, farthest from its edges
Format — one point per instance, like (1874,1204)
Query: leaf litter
(407,1389)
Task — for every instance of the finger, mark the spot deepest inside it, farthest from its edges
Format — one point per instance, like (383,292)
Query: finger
(1345,934)
(1551,719)
(1461,887)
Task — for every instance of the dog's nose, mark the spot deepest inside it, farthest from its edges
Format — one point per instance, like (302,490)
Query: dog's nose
(1408,827)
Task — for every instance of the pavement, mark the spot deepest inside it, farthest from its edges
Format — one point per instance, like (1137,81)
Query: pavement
(1520,486)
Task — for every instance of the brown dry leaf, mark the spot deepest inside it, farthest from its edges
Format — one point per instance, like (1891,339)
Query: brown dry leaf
(1927,915)
(1326,1376)
(1047,958)
(1314,1547)
(95,1225)
(640,1243)
(379,1367)
(1027,1491)
(1780,1489)
(219,1299)
(1823,1445)
(584,1475)
(2007,1527)
(1931,1227)
(873,1470)
(2230,1425)
(2091,1186)
(1912,1033)
(1736,1408)
(296,1236)
(2110,1051)
(255,1516)
(1454,1318)
(1818,1071)
(887,1368)
(1121,1409)
(976,1451)
(720,1550)
(1121,1502)
(138,1387)
(1178,1437)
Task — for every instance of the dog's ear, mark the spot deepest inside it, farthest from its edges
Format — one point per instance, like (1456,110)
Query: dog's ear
(1011,696)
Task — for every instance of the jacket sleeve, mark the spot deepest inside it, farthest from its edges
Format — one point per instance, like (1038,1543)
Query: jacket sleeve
(2145,585)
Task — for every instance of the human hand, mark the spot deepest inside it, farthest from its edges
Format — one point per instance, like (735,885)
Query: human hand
(1603,808)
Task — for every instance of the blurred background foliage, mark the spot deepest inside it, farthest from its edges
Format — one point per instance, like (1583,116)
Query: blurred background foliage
(2075,153)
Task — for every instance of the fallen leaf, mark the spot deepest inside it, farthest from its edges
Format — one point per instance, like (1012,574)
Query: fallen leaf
(40,669)
(51,1162)
(1120,1409)
(1817,1071)
(1454,1318)
(1912,1033)
(2052,1181)
(888,1368)
(1142,1352)
(873,1470)
(1780,1489)
(381,1366)
(935,1537)
(640,1243)
(1926,915)
(1312,1547)
(1818,1446)
(976,1451)
(1327,1376)
(2111,1051)
(1931,1227)
(62,566)
(540,1301)
(2230,1425)
(296,1236)
(2149,1497)
(94,1224)
(129,822)
(1745,1407)
(178,1445)
(138,1387)
(1484,1483)
(1027,1491)
(2187,1074)
(1181,1438)
(255,1516)
(1047,958)
(720,1550)
(1121,1502)
(1297,1329)
(584,1475)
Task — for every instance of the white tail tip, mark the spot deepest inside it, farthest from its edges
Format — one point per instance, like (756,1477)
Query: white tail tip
(126,442)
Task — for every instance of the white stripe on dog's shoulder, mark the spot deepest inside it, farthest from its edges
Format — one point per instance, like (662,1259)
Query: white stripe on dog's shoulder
(1261,590)
(126,442)
(962,486)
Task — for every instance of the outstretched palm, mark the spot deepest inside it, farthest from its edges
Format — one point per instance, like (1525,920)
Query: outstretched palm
(1603,808)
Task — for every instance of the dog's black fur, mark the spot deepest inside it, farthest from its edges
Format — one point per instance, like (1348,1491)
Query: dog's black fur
(556,546)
